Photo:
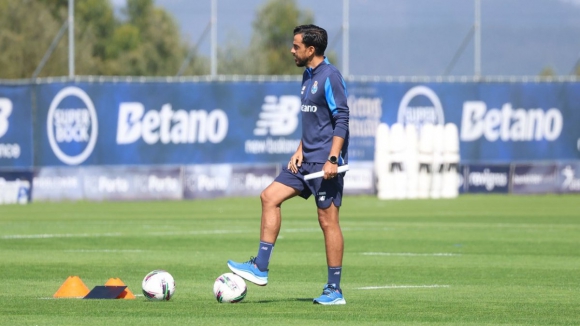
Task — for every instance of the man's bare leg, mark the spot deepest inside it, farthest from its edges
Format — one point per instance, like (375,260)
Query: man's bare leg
(333,240)
(334,243)
(256,269)
(272,198)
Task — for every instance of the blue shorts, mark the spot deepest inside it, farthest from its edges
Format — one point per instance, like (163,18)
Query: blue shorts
(326,191)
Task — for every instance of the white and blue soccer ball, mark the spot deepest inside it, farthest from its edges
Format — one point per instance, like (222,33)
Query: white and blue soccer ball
(158,285)
(229,288)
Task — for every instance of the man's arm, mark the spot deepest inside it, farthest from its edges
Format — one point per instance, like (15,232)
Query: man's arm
(296,159)
(331,169)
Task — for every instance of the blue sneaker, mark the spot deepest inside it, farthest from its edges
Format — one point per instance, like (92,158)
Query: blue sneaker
(249,271)
(330,296)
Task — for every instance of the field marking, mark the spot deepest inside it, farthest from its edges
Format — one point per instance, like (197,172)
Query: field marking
(464,225)
(105,250)
(204,232)
(116,234)
(411,254)
(64,235)
(168,233)
(403,287)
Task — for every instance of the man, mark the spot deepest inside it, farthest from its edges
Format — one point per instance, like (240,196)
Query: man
(323,147)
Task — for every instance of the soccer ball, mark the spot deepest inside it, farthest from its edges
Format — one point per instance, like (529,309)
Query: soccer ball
(230,288)
(158,285)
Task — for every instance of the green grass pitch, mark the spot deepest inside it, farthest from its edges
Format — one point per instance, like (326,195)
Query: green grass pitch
(474,260)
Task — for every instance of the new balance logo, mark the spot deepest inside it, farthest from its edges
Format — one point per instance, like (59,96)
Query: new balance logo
(264,248)
(279,116)
(336,273)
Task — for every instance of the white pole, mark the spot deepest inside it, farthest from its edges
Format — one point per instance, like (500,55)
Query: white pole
(71,39)
(214,38)
(345,38)
(477,42)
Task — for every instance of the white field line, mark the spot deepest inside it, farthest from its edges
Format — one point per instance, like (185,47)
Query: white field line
(63,235)
(117,234)
(403,287)
(410,254)
(105,250)
(169,233)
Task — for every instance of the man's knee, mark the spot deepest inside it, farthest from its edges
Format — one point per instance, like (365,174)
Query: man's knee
(266,197)
(271,198)
(276,193)
(328,218)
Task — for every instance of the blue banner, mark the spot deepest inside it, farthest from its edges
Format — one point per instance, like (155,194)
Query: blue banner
(159,123)
(227,180)
(259,122)
(15,127)
(569,177)
(497,122)
(487,178)
(15,187)
(534,178)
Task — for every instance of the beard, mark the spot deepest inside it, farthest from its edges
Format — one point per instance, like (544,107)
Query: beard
(301,62)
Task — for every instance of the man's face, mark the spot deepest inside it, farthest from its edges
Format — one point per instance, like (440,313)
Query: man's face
(302,54)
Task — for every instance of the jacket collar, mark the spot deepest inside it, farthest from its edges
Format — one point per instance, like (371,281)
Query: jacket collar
(324,62)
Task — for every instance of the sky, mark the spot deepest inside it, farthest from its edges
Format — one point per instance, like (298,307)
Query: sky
(414,37)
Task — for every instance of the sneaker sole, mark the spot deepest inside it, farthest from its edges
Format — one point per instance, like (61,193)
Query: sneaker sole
(334,302)
(249,276)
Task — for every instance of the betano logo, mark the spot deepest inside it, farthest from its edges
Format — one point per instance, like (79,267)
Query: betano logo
(508,124)
(68,125)
(169,126)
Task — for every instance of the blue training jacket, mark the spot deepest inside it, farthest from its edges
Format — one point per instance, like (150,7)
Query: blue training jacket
(325,112)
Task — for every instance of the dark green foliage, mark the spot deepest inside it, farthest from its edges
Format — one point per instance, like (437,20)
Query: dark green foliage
(147,43)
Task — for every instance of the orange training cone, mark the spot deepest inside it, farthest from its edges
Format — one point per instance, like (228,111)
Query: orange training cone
(126,294)
(73,287)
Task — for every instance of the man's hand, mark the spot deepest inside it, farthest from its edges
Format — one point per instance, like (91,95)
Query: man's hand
(295,162)
(330,170)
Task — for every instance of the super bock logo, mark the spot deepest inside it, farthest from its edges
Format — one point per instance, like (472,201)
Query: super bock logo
(420,105)
(72,125)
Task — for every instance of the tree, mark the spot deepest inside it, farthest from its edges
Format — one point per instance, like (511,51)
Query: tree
(576,69)
(27,29)
(269,50)
(547,72)
(273,34)
(236,58)
(147,43)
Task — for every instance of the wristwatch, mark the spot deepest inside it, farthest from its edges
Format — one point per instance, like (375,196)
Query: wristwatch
(333,159)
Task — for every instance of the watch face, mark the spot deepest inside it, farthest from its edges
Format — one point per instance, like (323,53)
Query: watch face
(333,159)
